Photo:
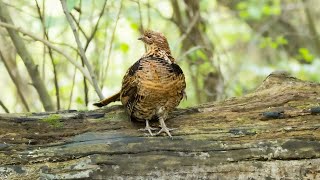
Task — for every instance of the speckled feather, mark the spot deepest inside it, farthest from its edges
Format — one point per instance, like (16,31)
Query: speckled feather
(153,86)
(149,84)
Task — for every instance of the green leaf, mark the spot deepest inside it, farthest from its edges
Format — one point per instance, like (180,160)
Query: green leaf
(242,5)
(244,14)
(266,10)
(274,45)
(281,40)
(124,47)
(305,54)
(266,42)
(201,55)
(134,26)
(79,100)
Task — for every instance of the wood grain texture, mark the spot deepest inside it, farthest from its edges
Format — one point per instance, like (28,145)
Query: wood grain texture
(233,139)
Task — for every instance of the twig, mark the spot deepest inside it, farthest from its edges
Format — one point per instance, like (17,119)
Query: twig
(72,87)
(141,22)
(187,32)
(56,84)
(66,45)
(78,25)
(148,11)
(189,51)
(43,36)
(85,84)
(27,59)
(89,39)
(177,17)
(140,16)
(4,107)
(47,43)
(102,60)
(82,53)
(111,41)
(23,11)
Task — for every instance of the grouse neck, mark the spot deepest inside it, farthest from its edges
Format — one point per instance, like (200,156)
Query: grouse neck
(165,54)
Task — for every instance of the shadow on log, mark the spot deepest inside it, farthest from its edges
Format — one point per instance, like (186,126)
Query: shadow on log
(272,133)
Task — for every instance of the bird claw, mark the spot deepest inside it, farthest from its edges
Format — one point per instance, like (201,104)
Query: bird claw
(166,130)
(149,129)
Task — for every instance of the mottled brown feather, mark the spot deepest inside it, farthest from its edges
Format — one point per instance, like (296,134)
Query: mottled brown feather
(154,85)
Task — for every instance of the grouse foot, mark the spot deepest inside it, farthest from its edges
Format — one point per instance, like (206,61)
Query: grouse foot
(148,128)
(164,128)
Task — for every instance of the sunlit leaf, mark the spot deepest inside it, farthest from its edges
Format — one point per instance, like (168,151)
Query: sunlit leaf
(134,26)
(201,54)
(242,5)
(244,14)
(274,45)
(265,42)
(305,54)
(124,47)
(266,10)
(281,40)
(79,100)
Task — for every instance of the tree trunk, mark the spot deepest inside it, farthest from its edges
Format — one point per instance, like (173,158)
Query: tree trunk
(32,68)
(272,133)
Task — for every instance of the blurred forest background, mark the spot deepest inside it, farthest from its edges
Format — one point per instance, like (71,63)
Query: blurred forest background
(225,47)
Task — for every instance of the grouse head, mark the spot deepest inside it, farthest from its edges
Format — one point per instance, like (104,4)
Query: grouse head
(154,39)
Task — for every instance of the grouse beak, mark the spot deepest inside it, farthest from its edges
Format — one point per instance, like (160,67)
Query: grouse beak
(140,38)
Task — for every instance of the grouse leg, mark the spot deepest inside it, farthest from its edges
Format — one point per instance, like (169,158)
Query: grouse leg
(164,127)
(148,128)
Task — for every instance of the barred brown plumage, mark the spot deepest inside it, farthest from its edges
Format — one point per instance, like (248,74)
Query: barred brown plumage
(153,86)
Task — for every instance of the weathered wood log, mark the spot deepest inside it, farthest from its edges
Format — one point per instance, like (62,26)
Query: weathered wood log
(272,133)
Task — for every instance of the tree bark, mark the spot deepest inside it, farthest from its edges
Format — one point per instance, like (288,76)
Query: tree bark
(10,65)
(27,60)
(271,133)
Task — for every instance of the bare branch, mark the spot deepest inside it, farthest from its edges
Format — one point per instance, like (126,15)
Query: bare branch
(15,79)
(47,43)
(111,41)
(4,107)
(140,16)
(19,9)
(190,27)
(189,51)
(72,87)
(85,84)
(141,21)
(43,36)
(149,15)
(45,33)
(78,25)
(89,39)
(27,60)
(82,53)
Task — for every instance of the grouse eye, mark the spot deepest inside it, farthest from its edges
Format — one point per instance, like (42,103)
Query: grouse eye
(148,36)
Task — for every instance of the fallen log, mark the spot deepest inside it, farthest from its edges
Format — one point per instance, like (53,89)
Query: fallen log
(271,133)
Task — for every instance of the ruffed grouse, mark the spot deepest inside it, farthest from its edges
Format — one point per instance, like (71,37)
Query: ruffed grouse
(153,86)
